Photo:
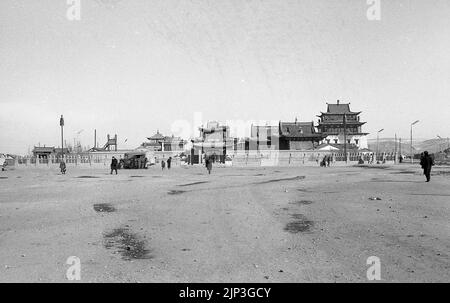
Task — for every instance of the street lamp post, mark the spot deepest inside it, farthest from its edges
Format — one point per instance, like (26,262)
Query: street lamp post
(440,144)
(378,135)
(412,155)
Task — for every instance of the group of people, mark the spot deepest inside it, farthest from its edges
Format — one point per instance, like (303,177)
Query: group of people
(326,161)
(169,163)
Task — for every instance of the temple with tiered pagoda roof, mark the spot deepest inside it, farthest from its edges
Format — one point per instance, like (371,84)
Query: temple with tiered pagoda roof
(339,124)
(159,142)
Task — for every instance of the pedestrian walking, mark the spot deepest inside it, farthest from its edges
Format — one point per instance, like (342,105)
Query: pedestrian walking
(169,161)
(114,164)
(208,164)
(426,162)
(62,167)
(163,164)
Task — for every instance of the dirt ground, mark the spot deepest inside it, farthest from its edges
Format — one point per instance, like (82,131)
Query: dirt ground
(272,224)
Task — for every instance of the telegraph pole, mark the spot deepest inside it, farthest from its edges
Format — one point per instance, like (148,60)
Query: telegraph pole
(378,135)
(395,149)
(345,137)
(61,123)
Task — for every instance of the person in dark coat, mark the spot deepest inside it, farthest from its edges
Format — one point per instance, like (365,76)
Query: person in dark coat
(62,166)
(169,161)
(208,164)
(163,164)
(426,162)
(114,165)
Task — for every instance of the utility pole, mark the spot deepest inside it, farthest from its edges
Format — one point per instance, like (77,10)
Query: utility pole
(395,149)
(224,150)
(61,123)
(345,138)
(378,133)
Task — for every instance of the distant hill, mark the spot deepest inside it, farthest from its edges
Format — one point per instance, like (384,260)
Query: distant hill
(433,145)
(388,145)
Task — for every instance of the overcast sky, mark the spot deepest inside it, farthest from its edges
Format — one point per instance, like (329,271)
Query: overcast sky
(134,66)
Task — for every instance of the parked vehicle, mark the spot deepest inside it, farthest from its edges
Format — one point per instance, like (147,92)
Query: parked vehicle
(2,161)
(138,159)
(6,160)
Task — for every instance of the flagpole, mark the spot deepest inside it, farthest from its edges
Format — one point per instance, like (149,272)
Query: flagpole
(61,123)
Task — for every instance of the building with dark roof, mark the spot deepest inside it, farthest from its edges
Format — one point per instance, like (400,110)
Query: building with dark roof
(46,151)
(285,136)
(339,124)
(299,136)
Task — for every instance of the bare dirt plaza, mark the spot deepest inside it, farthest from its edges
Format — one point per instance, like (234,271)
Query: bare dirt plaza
(272,224)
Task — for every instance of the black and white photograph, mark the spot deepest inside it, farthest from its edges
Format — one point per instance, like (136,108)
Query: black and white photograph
(196,142)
